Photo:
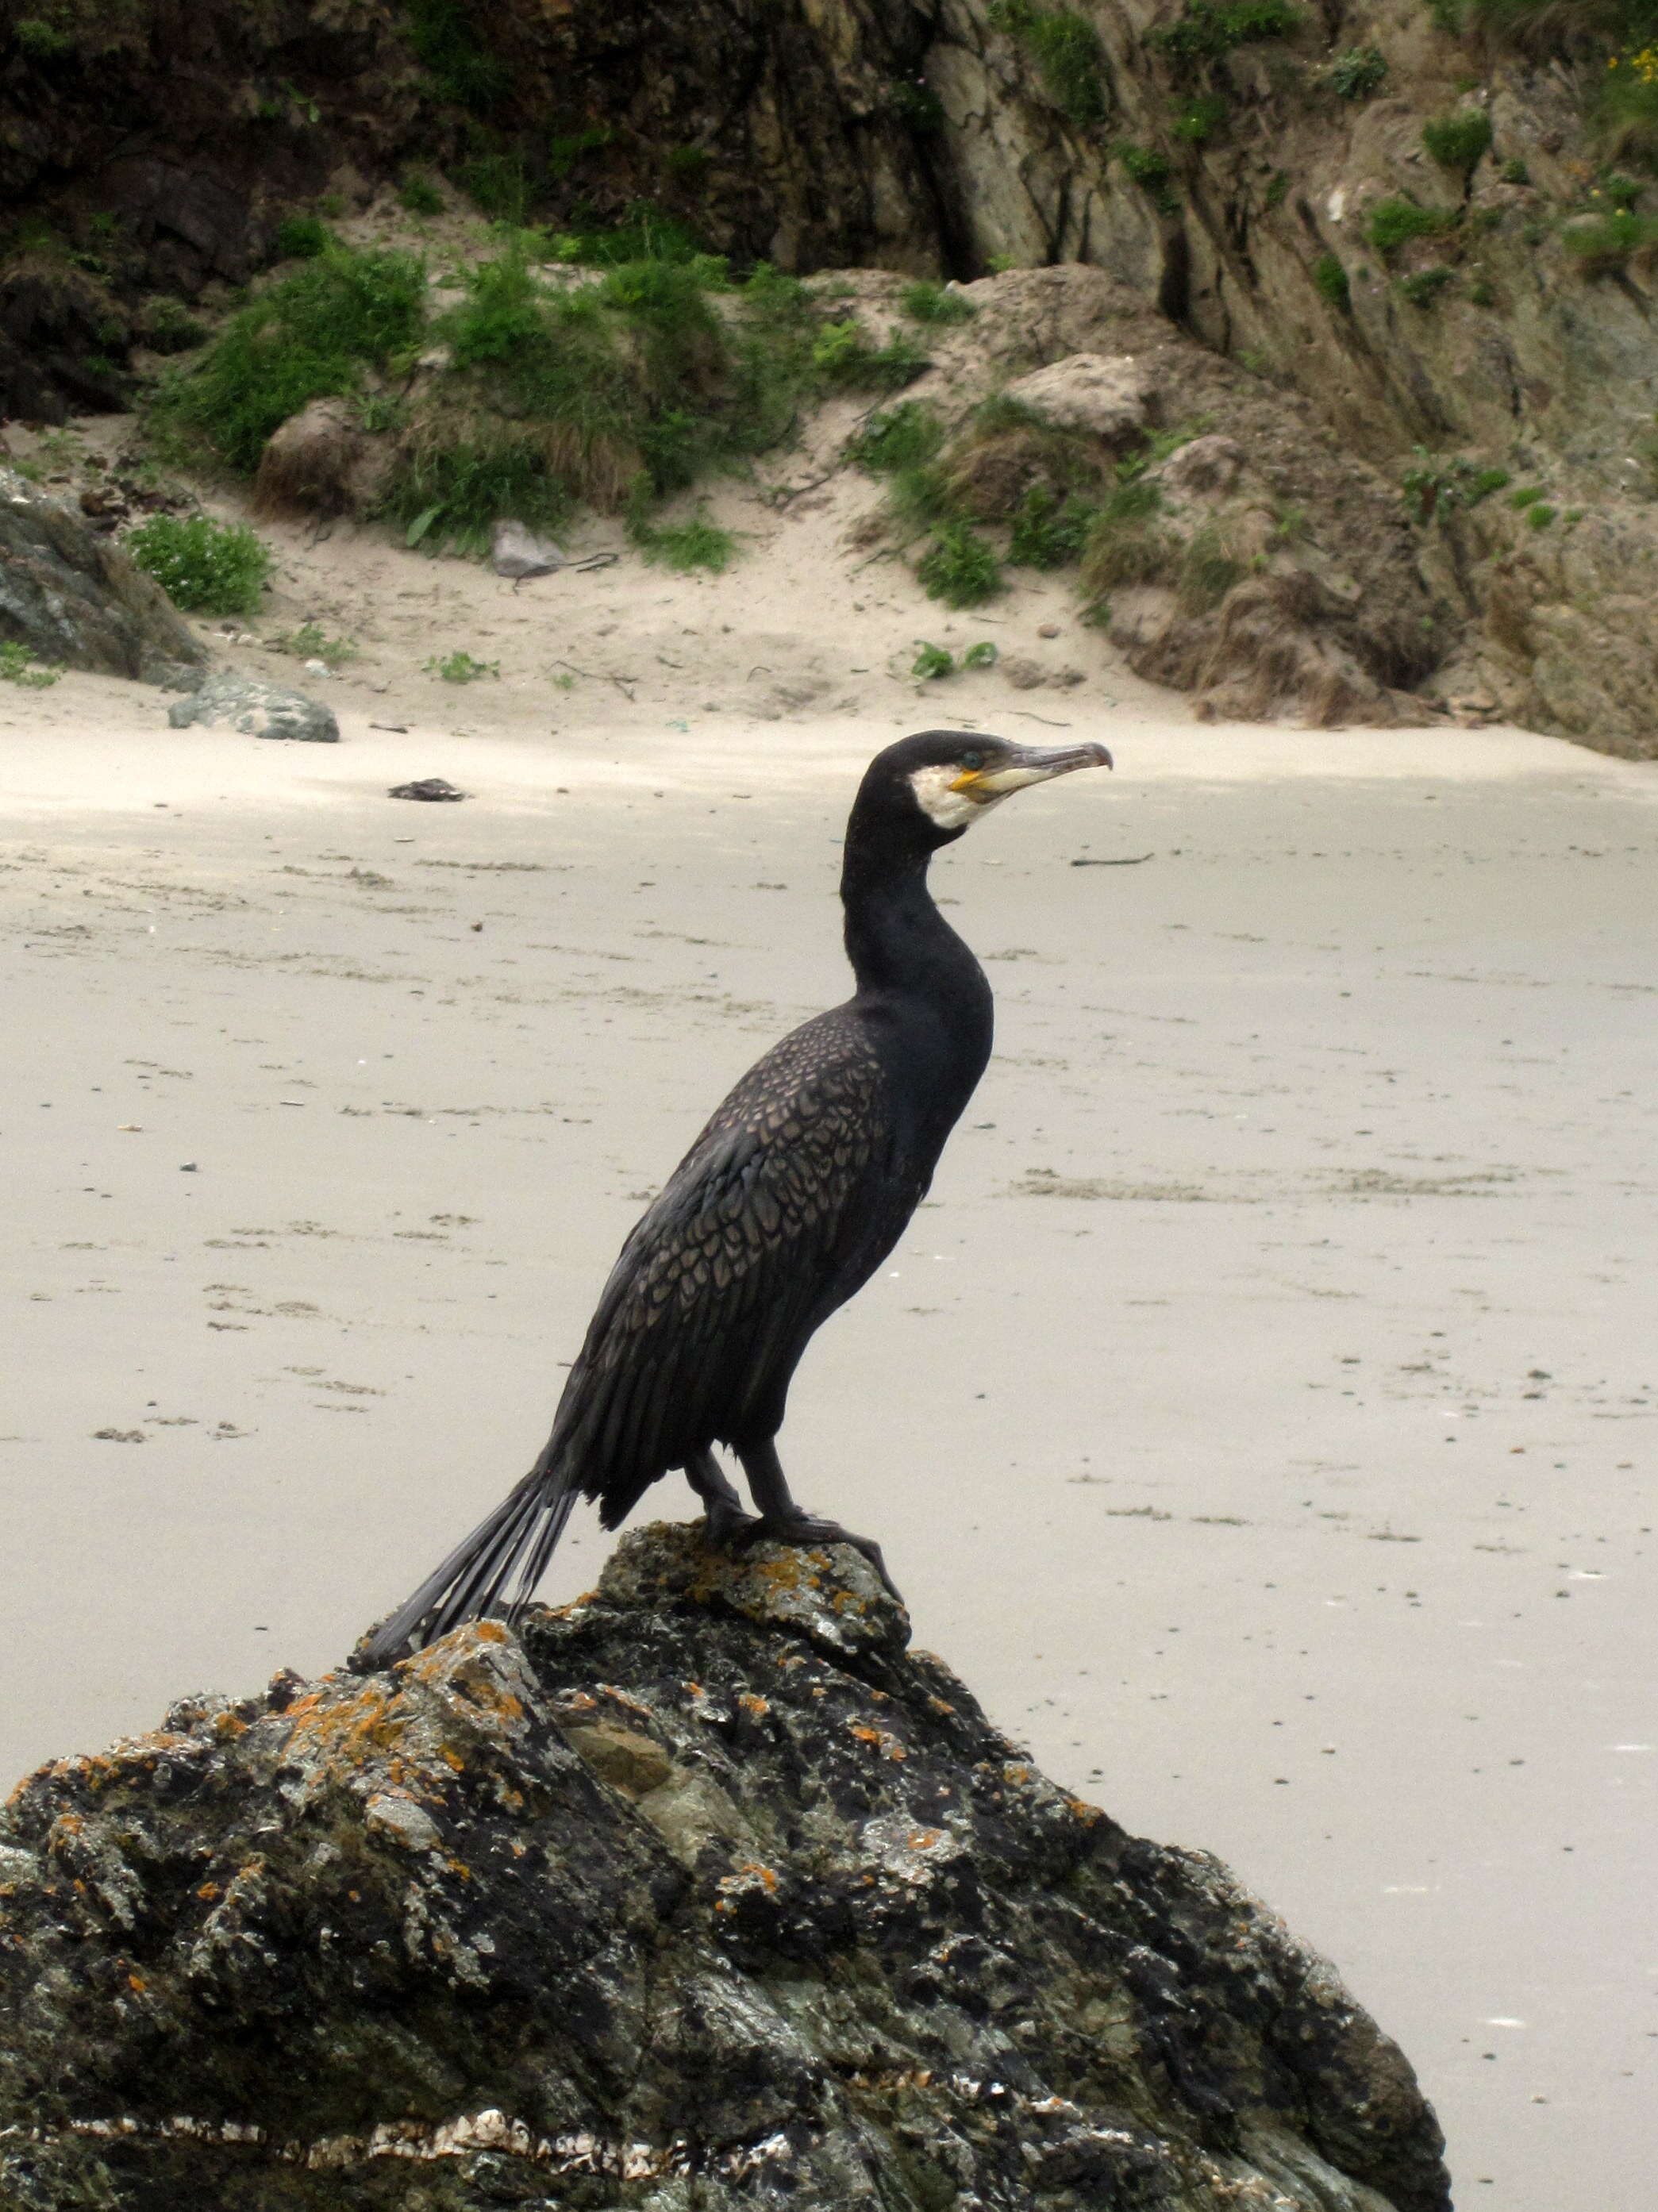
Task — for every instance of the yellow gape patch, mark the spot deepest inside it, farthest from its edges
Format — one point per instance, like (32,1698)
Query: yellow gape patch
(940,798)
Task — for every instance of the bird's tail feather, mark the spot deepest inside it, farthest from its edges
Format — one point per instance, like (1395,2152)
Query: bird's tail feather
(516,1539)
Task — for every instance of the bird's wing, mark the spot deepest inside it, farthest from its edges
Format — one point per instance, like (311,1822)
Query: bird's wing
(771,1220)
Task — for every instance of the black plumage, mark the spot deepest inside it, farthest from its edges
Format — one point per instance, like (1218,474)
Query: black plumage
(792,1196)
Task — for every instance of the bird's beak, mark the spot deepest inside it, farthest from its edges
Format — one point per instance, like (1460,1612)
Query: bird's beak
(1031,764)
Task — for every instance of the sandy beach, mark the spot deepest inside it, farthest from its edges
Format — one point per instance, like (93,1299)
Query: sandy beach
(1276,1347)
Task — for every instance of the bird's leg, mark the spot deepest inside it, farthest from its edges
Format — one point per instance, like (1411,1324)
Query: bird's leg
(725,1508)
(782,1522)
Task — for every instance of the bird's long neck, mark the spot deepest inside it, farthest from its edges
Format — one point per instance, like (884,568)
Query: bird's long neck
(903,950)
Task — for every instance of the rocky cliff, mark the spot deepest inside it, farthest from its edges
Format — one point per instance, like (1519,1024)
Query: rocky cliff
(1422,232)
(704,1891)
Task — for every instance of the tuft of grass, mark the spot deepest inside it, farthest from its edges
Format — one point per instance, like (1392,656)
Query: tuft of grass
(418,195)
(19,666)
(843,358)
(1539,516)
(1208,569)
(906,436)
(463,71)
(1359,73)
(1066,51)
(451,488)
(1457,140)
(1277,188)
(1150,169)
(686,546)
(1210,28)
(206,568)
(460,668)
(1625,112)
(924,301)
(1330,282)
(302,237)
(959,568)
(1127,544)
(309,336)
(1049,532)
(311,641)
(1424,286)
(1195,121)
(1394,223)
(1600,245)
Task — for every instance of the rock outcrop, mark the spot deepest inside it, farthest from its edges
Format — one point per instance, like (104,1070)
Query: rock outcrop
(258,709)
(702,1891)
(75,600)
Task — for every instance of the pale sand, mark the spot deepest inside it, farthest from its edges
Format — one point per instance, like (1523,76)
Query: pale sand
(1208,1381)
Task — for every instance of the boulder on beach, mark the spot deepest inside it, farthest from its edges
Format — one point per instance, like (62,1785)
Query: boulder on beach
(73,599)
(257,710)
(703,1890)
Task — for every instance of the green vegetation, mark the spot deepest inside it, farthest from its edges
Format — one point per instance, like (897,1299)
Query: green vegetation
(460,668)
(1195,121)
(1210,28)
(311,335)
(463,71)
(1394,223)
(924,301)
(1527,496)
(683,546)
(42,42)
(206,568)
(1330,281)
(1424,286)
(1600,245)
(310,641)
(1066,49)
(1626,109)
(1539,516)
(1359,73)
(1277,188)
(919,105)
(18,665)
(1127,544)
(418,195)
(906,436)
(301,238)
(1150,170)
(1436,488)
(1049,532)
(842,356)
(933,662)
(1457,140)
(959,568)
(1208,569)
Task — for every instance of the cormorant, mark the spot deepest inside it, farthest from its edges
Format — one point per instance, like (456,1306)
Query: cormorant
(793,1194)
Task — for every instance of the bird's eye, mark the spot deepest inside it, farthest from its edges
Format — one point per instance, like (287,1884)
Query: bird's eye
(972,760)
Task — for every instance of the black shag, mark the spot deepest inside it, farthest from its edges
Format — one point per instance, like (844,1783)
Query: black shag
(786,1205)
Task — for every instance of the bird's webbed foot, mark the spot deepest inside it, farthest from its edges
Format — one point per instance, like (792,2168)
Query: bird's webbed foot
(726,1523)
(802,1528)
(726,1517)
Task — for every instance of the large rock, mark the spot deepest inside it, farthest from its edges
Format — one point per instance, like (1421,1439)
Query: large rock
(1105,395)
(257,710)
(702,1891)
(74,598)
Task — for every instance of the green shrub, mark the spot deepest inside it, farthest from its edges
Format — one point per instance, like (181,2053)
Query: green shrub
(1423,287)
(1150,168)
(643,231)
(844,358)
(906,436)
(309,335)
(418,195)
(1209,28)
(1539,516)
(1049,532)
(1515,172)
(1603,243)
(302,237)
(1127,544)
(1435,487)
(1330,281)
(959,568)
(1527,496)
(206,568)
(1208,569)
(498,185)
(1625,113)
(924,301)
(1195,121)
(1394,223)
(1066,49)
(452,494)
(1358,73)
(42,41)
(460,668)
(311,641)
(18,665)
(442,40)
(1457,140)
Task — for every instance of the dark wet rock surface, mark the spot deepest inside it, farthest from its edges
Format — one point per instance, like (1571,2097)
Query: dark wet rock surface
(75,600)
(702,1892)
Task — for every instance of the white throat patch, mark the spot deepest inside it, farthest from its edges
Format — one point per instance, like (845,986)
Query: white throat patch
(950,810)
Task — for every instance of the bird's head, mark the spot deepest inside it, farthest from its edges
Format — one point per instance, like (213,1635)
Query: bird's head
(929,789)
